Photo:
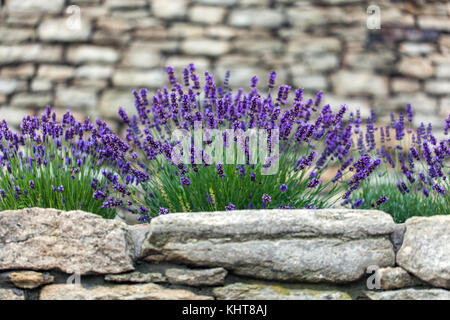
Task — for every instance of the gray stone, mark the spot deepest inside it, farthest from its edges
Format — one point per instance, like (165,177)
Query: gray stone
(29,279)
(138,78)
(416,49)
(11,294)
(33,99)
(197,278)
(41,85)
(426,249)
(13,115)
(55,72)
(34,6)
(71,242)
(410,294)
(243,291)
(393,278)
(307,44)
(89,53)
(94,71)
(142,56)
(441,87)
(116,292)
(22,71)
(348,83)
(416,67)
(311,82)
(436,23)
(207,47)
(296,245)
(8,86)
(206,14)
(255,17)
(30,53)
(62,31)
(76,98)
(443,70)
(138,234)
(16,35)
(136,277)
(111,100)
(405,85)
(169,9)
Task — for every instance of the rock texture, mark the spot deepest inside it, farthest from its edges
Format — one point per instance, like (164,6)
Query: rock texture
(11,294)
(29,279)
(426,249)
(393,278)
(136,277)
(410,294)
(296,245)
(116,292)
(243,291)
(197,278)
(72,242)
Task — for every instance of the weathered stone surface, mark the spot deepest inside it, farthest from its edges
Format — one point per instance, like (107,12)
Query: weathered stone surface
(11,294)
(268,18)
(22,71)
(426,249)
(94,71)
(136,277)
(138,233)
(8,86)
(29,279)
(72,242)
(196,278)
(33,99)
(347,83)
(61,30)
(243,291)
(405,85)
(393,278)
(208,47)
(76,98)
(417,67)
(169,9)
(410,294)
(437,23)
(111,100)
(116,292)
(297,245)
(207,14)
(29,53)
(138,78)
(440,87)
(33,6)
(87,53)
(55,72)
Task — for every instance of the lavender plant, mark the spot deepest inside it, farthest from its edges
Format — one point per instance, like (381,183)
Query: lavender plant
(56,164)
(413,176)
(311,138)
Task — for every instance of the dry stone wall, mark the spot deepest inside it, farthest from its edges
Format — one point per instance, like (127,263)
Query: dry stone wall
(87,55)
(329,254)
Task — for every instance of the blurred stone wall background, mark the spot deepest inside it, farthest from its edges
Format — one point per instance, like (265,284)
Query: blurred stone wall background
(86,55)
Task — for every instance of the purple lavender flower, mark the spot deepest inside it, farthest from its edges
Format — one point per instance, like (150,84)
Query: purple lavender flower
(358,203)
(163,211)
(266,198)
(185,181)
(283,188)
(230,207)
(272,77)
(31,184)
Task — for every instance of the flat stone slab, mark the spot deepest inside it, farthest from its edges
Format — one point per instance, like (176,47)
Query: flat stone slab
(410,294)
(11,294)
(426,249)
(136,277)
(393,278)
(29,279)
(148,291)
(243,291)
(333,245)
(71,242)
(197,278)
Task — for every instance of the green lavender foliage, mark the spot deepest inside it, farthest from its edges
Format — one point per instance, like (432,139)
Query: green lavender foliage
(77,193)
